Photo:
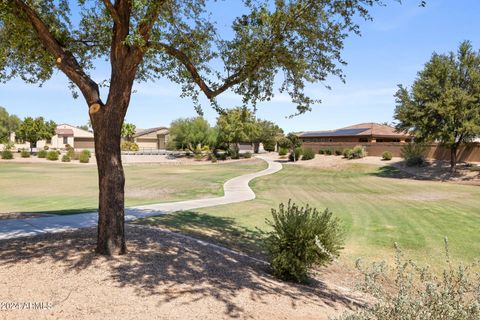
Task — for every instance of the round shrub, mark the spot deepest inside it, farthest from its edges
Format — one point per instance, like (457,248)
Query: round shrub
(328,152)
(298,154)
(308,154)
(338,152)
(321,151)
(66,158)
(198,157)
(282,151)
(24,153)
(129,146)
(348,154)
(414,154)
(301,238)
(387,155)
(359,152)
(7,155)
(247,155)
(213,158)
(84,156)
(52,155)
(42,154)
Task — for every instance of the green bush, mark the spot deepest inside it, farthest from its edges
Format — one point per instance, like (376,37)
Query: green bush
(198,157)
(301,238)
(298,154)
(387,155)
(233,153)
(359,152)
(247,155)
(282,151)
(338,152)
(212,158)
(269,145)
(414,154)
(321,151)
(8,146)
(129,146)
(66,158)
(52,155)
(308,154)
(7,155)
(84,156)
(328,152)
(416,292)
(24,153)
(348,154)
(42,154)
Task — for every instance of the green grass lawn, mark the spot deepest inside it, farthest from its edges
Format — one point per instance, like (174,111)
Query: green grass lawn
(377,210)
(63,188)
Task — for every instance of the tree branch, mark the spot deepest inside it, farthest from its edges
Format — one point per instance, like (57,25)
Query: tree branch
(65,59)
(229,82)
(146,25)
(112,10)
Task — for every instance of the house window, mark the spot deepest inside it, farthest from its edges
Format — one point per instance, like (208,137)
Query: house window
(49,141)
(65,140)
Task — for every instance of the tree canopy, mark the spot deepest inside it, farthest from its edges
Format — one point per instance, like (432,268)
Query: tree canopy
(192,133)
(237,125)
(444,101)
(33,130)
(8,124)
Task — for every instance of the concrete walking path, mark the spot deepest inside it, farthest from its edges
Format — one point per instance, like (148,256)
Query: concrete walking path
(235,190)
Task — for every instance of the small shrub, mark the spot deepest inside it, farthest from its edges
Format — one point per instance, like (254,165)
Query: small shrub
(52,155)
(387,155)
(247,155)
(8,146)
(198,157)
(269,145)
(84,156)
(66,158)
(282,151)
(338,152)
(359,152)
(419,293)
(42,154)
(414,154)
(301,238)
(308,154)
(348,154)
(205,148)
(321,151)
(213,158)
(88,152)
(328,152)
(7,155)
(24,153)
(129,146)
(298,153)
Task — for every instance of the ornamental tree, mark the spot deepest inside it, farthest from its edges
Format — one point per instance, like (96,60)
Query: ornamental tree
(128,131)
(444,102)
(192,134)
(33,130)
(8,124)
(145,40)
(237,125)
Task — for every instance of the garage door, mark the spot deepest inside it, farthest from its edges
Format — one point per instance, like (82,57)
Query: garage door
(83,143)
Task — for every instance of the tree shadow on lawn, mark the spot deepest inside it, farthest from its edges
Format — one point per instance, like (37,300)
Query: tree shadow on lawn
(392,172)
(169,267)
(218,230)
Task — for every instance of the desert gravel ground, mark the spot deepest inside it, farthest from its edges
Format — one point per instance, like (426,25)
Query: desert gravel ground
(164,276)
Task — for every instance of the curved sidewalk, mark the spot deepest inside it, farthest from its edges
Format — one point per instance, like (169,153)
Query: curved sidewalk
(235,190)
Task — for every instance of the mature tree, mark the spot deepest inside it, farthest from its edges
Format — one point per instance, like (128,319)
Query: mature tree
(192,133)
(444,101)
(267,134)
(294,142)
(8,124)
(237,125)
(174,39)
(128,131)
(33,130)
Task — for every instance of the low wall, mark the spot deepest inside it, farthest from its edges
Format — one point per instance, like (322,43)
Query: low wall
(467,153)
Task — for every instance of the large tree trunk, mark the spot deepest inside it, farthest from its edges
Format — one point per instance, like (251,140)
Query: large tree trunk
(111,236)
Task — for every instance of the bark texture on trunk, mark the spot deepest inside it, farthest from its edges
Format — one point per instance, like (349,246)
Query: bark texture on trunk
(453,159)
(111,235)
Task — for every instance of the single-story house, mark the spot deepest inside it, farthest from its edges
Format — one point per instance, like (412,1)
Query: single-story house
(153,138)
(359,133)
(64,134)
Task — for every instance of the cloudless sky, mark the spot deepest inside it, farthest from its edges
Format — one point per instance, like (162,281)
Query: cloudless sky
(392,49)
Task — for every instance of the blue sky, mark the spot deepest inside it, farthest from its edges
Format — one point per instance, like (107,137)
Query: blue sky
(392,49)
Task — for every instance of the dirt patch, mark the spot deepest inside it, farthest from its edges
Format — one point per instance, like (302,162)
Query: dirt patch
(162,277)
